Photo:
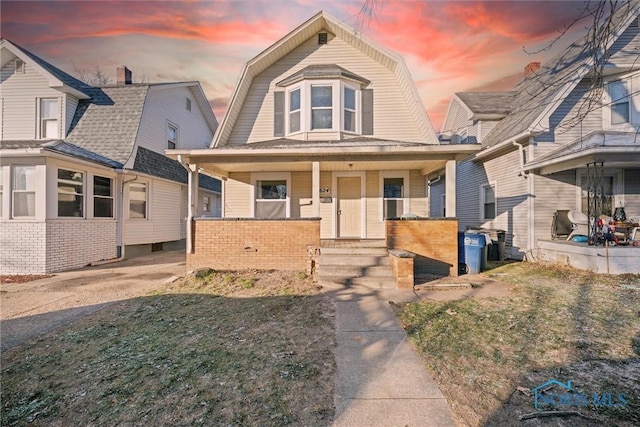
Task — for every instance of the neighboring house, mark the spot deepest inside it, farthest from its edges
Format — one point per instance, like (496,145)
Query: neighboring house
(548,142)
(83,177)
(326,124)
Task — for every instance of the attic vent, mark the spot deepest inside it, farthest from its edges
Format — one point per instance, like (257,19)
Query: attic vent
(635,23)
(188,106)
(322,38)
(19,64)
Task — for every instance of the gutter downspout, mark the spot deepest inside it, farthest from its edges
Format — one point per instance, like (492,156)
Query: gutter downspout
(520,157)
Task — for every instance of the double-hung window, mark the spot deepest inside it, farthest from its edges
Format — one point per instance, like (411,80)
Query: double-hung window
(321,107)
(393,197)
(102,197)
(271,199)
(24,191)
(137,200)
(70,193)
(488,201)
(49,113)
(294,111)
(349,120)
(619,92)
(172,136)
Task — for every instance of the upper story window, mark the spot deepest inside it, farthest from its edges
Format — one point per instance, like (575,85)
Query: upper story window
(294,111)
(49,118)
(172,136)
(19,66)
(619,92)
(488,201)
(321,107)
(323,98)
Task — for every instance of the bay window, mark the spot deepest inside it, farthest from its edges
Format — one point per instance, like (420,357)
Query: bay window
(619,102)
(294,111)
(321,107)
(349,99)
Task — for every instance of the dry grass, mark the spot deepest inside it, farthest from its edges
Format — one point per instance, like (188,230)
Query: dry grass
(223,348)
(559,323)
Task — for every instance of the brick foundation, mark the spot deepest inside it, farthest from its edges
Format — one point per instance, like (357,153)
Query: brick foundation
(433,241)
(402,267)
(234,244)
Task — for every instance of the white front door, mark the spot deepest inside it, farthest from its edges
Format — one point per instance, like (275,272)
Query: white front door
(349,207)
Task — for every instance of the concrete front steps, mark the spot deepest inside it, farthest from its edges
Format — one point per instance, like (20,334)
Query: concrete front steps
(356,266)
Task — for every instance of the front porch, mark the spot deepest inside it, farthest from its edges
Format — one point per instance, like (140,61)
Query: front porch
(598,259)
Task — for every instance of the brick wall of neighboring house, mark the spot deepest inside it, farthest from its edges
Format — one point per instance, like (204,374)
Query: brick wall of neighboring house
(233,244)
(434,241)
(22,247)
(76,243)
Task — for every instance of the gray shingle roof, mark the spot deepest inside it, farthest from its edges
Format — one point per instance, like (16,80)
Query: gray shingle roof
(63,148)
(539,91)
(322,71)
(59,74)
(107,124)
(156,164)
(489,103)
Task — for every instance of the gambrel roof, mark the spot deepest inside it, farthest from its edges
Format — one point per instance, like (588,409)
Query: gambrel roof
(323,21)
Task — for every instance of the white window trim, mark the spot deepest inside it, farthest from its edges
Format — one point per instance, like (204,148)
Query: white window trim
(618,186)
(482,200)
(12,191)
(83,194)
(166,132)
(407,190)
(630,81)
(269,176)
(94,196)
(147,199)
(356,113)
(40,119)
(337,107)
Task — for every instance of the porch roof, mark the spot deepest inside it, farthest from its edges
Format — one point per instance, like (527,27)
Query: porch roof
(614,149)
(358,154)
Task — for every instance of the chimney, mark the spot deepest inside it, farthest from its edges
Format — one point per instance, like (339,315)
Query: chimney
(124,75)
(531,68)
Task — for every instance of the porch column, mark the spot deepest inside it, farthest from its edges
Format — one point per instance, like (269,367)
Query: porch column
(450,188)
(315,188)
(192,209)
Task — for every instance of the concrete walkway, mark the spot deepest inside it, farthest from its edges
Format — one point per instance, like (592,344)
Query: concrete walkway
(380,380)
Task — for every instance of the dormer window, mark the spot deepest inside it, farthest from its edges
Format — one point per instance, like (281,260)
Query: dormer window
(321,99)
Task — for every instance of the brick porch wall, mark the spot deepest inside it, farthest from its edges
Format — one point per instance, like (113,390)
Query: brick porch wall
(233,244)
(433,240)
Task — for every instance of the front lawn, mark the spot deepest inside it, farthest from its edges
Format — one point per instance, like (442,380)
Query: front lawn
(558,324)
(225,348)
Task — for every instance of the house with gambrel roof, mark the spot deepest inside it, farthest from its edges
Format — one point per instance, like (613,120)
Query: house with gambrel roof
(82,168)
(555,143)
(328,125)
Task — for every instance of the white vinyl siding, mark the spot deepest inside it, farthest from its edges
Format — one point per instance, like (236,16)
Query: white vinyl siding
(165,221)
(624,51)
(165,105)
(418,196)
(301,194)
(375,223)
(553,192)
(21,94)
(394,117)
(327,208)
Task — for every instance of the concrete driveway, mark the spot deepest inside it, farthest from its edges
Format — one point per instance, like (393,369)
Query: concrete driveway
(30,309)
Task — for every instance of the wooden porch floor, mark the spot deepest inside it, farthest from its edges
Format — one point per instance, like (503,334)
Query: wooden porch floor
(352,243)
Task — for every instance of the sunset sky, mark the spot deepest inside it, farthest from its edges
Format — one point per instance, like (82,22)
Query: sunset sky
(449,46)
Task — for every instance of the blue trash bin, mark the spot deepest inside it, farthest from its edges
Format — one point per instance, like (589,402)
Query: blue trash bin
(475,251)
